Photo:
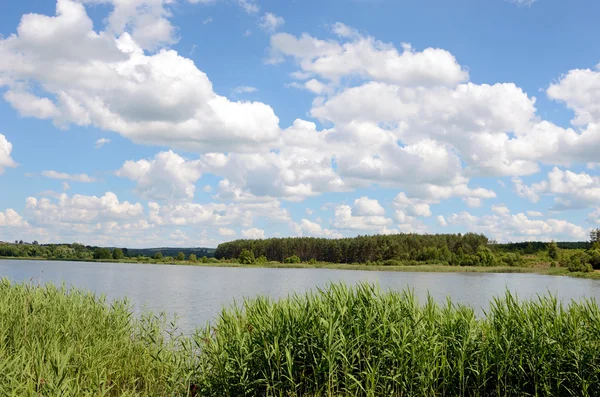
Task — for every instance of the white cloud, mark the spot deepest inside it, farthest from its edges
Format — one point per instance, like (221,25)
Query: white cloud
(6,160)
(571,190)
(442,221)
(518,227)
(253,234)
(167,176)
(207,189)
(500,209)
(94,78)
(223,231)
(271,22)
(313,229)
(66,186)
(522,3)
(368,58)
(249,6)
(101,142)
(346,220)
(365,206)
(534,214)
(244,90)
(345,31)
(81,209)
(10,218)
(84,178)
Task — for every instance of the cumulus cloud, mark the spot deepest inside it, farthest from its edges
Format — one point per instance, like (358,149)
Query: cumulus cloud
(167,176)
(366,57)
(97,78)
(314,229)
(84,178)
(346,220)
(6,160)
(365,206)
(571,190)
(253,234)
(10,218)
(506,227)
(81,209)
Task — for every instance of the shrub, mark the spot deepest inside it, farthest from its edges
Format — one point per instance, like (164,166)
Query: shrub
(261,260)
(192,258)
(292,259)
(312,261)
(246,257)
(118,254)
(158,256)
(204,259)
(180,256)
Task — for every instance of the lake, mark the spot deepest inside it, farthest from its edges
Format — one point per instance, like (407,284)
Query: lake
(197,294)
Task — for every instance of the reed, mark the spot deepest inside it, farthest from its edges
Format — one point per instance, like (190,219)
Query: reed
(336,341)
(64,342)
(359,341)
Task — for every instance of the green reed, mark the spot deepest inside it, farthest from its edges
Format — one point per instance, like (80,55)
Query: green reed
(64,342)
(362,342)
(338,341)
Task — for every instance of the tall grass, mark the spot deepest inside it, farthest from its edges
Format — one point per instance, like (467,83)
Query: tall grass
(361,342)
(339,341)
(61,342)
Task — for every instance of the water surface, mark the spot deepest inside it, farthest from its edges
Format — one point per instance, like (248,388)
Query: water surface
(197,294)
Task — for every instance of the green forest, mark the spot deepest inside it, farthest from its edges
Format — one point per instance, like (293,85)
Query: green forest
(468,249)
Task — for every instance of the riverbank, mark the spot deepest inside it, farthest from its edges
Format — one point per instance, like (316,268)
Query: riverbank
(338,341)
(543,269)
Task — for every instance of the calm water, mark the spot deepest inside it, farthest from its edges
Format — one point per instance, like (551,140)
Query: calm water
(197,294)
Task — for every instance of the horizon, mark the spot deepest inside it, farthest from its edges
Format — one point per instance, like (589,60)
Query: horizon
(199,122)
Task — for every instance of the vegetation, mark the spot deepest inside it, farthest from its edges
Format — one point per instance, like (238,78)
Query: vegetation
(75,251)
(392,252)
(338,341)
(59,342)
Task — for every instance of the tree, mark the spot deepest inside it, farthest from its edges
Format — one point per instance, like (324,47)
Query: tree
(158,256)
(118,254)
(595,236)
(553,250)
(102,253)
(246,257)
(180,256)
(192,258)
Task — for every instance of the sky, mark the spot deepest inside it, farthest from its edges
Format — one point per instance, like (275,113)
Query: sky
(146,123)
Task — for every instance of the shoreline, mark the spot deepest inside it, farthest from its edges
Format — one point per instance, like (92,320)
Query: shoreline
(548,271)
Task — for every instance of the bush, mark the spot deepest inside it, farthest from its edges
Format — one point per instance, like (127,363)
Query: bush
(118,254)
(204,259)
(292,259)
(158,256)
(246,257)
(192,258)
(261,260)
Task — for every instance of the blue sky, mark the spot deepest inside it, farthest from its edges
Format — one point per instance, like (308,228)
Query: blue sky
(188,123)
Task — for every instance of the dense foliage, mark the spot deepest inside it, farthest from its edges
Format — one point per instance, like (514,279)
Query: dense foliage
(335,342)
(402,249)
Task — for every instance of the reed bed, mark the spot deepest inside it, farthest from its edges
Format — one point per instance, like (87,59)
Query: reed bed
(64,342)
(338,341)
(360,341)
